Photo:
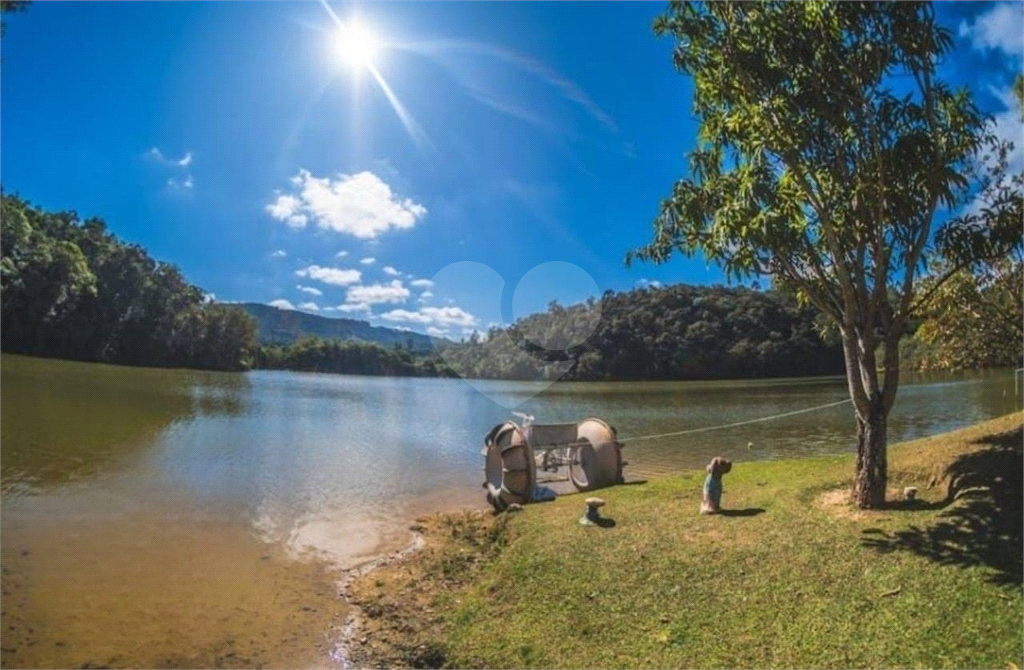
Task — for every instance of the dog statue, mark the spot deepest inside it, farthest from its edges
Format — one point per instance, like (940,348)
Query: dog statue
(712,499)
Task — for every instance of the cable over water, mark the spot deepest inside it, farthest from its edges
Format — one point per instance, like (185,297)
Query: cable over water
(732,425)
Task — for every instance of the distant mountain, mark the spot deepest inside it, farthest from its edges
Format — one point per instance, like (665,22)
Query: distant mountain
(284,326)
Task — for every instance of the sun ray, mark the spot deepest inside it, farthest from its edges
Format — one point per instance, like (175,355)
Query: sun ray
(414,129)
(358,47)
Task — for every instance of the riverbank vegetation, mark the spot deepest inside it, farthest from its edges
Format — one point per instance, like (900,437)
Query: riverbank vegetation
(313,354)
(791,575)
(71,289)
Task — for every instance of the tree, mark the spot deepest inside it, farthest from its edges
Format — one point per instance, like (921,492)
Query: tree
(8,6)
(830,158)
(976,319)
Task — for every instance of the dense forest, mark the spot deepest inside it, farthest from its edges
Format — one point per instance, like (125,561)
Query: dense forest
(71,289)
(676,332)
(314,354)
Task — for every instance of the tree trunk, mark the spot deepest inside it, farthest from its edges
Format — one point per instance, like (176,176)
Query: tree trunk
(870,474)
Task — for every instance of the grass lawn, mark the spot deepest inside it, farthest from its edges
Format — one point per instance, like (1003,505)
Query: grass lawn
(796,578)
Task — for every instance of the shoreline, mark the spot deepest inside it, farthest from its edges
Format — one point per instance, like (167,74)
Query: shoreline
(709,380)
(401,590)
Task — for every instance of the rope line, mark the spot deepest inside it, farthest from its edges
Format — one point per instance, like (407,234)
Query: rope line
(638,438)
(733,425)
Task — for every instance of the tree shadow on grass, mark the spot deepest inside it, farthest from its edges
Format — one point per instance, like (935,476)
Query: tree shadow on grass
(984,526)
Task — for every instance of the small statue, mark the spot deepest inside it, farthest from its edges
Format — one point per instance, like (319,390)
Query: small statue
(712,499)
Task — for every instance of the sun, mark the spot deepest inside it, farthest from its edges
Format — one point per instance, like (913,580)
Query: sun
(356,46)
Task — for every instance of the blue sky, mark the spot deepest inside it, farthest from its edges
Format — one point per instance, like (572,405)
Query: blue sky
(235,141)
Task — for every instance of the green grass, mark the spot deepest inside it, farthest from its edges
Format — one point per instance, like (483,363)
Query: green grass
(808,582)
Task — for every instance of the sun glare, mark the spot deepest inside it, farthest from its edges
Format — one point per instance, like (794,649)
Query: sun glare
(356,46)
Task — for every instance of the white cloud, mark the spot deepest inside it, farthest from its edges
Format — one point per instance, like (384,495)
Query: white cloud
(334,276)
(360,205)
(374,294)
(341,254)
(281,303)
(158,156)
(309,289)
(185,184)
(1006,126)
(426,295)
(440,316)
(388,270)
(181,184)
(436,332)
(280,253)
(369,260)
(309,306)
(421,283)
(999,28)
(648,283)
(354,307)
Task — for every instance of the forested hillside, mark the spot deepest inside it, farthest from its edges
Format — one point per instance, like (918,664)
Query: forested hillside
(285,326)
(71,289)
(676,332)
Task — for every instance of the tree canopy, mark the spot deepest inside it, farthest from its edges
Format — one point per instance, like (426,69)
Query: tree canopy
(71,289)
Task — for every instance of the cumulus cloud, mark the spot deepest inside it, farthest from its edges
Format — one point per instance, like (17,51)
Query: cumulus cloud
(421,283)
(309,289)
(999,28)
(369,260)
(374,294)
(436,316)
(280,253)
(436,332)
(426,295)
(388,270)
(281,303)
(648,283)
(353,307)
(309,306)
(361,205)
(334,276)
(285,208)
(341,254)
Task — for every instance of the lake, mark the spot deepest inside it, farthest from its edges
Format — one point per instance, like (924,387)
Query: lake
(168,517)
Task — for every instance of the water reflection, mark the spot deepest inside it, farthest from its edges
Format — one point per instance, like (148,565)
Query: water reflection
(61,421)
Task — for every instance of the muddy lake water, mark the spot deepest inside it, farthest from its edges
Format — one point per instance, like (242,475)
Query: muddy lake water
(161,518)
